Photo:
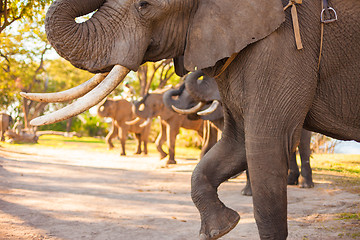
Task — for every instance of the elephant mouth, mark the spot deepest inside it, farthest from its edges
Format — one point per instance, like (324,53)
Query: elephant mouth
(87,94)
(197,109)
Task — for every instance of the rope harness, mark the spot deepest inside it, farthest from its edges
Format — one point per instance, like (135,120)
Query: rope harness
(327,15)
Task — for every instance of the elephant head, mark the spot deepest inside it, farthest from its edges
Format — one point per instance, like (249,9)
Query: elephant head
(150,106)
(199,97)
(123,34)
(179,98)
(107,109)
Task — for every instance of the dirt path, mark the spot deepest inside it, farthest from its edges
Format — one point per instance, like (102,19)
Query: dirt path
(83,194)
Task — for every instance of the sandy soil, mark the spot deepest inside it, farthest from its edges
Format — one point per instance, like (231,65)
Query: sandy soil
(82,194)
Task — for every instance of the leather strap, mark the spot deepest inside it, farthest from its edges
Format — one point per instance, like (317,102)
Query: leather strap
(329,19)
(295,21)
(227,63)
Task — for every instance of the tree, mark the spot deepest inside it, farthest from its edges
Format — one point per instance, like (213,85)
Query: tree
(24,67)
(153,75)
(322,144)
(14,10)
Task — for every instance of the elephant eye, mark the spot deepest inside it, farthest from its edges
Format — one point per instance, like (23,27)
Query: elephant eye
(143,4)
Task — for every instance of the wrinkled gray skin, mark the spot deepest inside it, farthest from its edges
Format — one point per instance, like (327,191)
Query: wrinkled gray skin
(120,111)
(5,122)
(206,90)
(269,91)
(184,100)
(151,106)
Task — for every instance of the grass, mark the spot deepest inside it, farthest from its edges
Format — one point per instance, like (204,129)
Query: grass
(341,170)
(349,223)
(352,216)
(98,144)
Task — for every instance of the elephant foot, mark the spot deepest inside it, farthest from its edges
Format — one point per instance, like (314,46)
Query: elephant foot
(165,163)
(123,154)
(219,224)
(110,147)
(247,190)
(293,178)
(138,152)
(305,182)
(171,161)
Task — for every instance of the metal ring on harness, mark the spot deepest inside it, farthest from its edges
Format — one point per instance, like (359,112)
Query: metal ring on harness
(331,19)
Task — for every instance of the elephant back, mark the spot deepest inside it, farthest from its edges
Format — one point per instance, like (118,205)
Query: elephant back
(123,110)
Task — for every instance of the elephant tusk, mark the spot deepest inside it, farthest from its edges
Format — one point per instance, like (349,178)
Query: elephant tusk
(93,97)
(194,109)
(144,124)
(210,109)
(67,95)
(133,122)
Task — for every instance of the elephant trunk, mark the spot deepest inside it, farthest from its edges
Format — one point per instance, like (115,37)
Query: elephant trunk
(204,90)
(140,110)
(83,44)
(168,100)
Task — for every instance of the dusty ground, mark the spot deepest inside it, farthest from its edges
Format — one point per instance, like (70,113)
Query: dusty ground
(82,194)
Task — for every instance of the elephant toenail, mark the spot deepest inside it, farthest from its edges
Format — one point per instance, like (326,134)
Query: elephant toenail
(214,233)
(202,236)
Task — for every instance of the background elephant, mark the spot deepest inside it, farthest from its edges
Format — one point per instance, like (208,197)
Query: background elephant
(180,98)
(207,92)
(120,111)
(5,122)
(270,90)
(151,106)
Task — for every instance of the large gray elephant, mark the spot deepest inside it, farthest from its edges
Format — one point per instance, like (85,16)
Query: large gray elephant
(5,122)
(206,91)
(270,90)
(152,105)
(120,111)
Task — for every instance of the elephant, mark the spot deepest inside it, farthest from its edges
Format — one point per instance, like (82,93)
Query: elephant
(270,88)
(5,122)
(206,91)
(120,111)
(150,106)
(183,99)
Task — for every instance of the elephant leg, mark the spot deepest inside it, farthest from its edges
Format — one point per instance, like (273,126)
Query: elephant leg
(247,189)
(122,136)
(2,136)
(112,134)
(171,133)
(210,137)
(224,160)
(138,137)
(269,184)
(293,176)
(160,140)
(306,180)
(145,142)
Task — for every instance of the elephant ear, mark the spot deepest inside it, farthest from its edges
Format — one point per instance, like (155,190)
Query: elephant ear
(223,27)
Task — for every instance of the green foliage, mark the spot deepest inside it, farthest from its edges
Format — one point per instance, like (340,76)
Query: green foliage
(90,125)
(59,126)
(85,125)
(20,10)
(189,138)
(21,53)
(62,75)
(354,216)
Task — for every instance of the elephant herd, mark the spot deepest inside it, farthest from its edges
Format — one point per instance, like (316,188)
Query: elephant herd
(270,89)
(195,105)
